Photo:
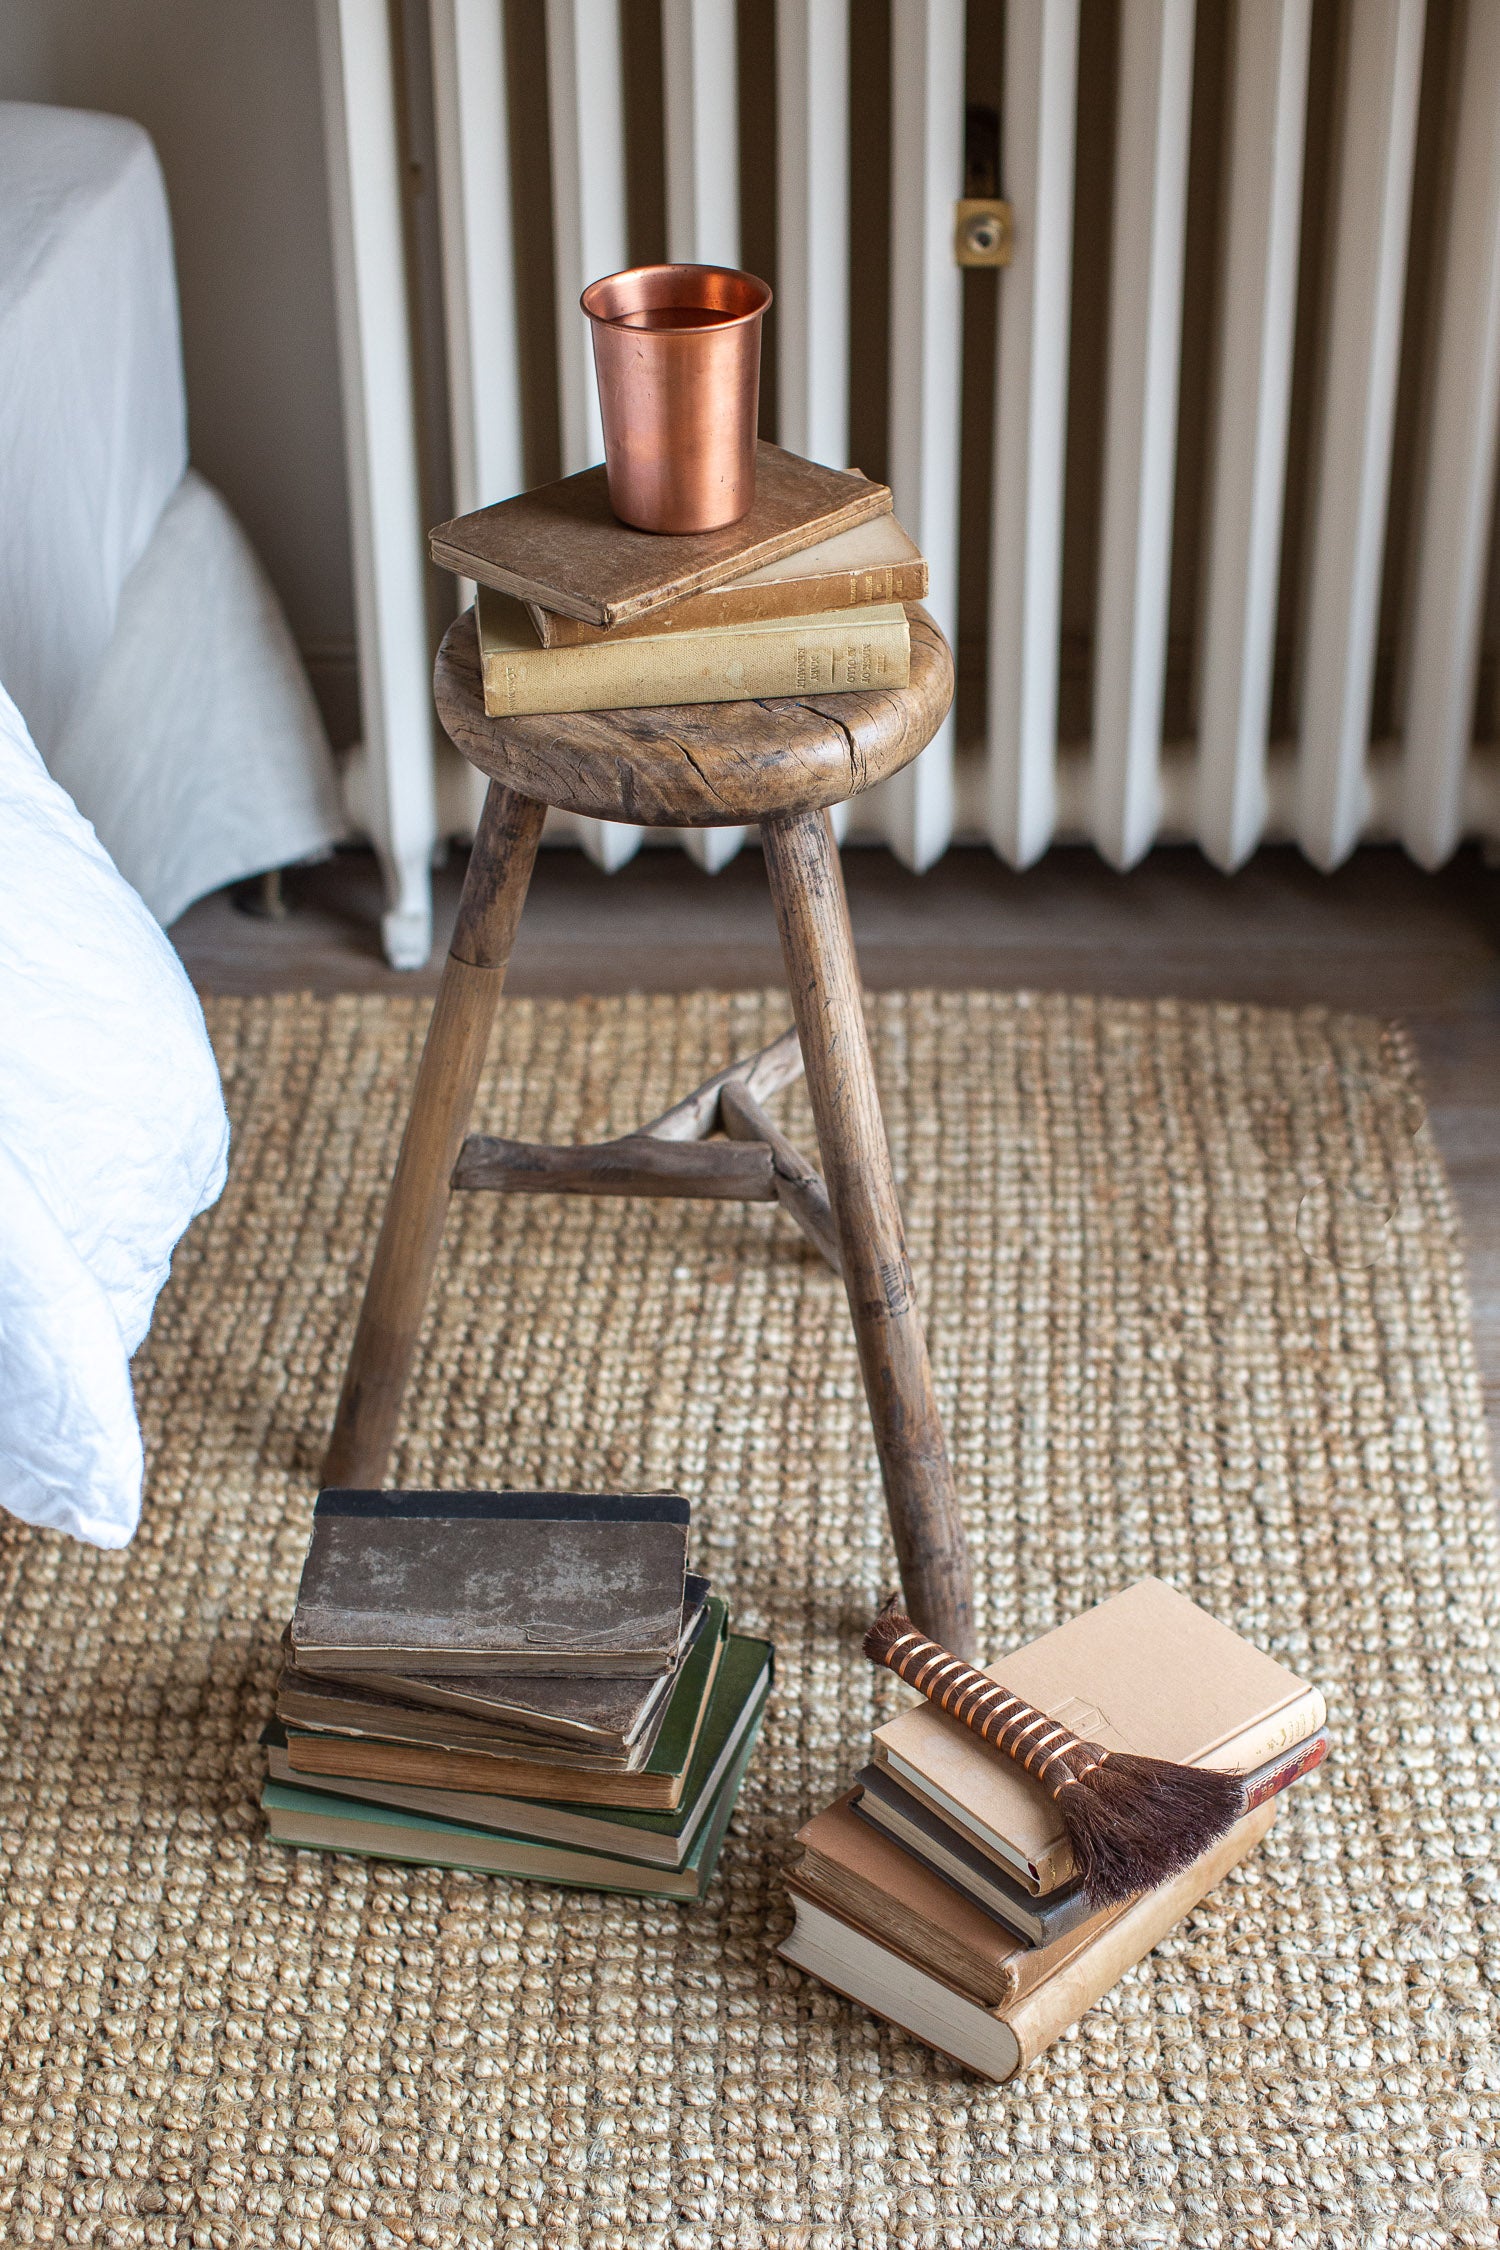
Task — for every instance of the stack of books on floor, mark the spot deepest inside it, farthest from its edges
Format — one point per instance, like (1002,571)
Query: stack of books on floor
(578,612)
(529,1684)
(938,1890)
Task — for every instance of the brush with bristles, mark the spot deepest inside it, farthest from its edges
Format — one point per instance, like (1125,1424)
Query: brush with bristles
(1132,1822)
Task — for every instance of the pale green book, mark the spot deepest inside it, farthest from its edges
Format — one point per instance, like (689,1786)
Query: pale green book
(311,1820)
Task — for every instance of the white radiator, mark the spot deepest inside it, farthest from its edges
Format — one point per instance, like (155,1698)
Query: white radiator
(1014,784)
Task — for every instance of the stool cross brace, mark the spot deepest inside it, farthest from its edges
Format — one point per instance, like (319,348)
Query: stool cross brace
(852,1218)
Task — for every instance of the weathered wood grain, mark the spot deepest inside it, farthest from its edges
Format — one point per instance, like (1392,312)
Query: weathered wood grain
(759,1075)
(700,765)
(812,917)
(799,1183)
(563,545)
(406,1248)
(711,1171)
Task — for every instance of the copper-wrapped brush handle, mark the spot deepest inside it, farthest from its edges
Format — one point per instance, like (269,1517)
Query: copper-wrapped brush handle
(1131,1821)
(1050,1752)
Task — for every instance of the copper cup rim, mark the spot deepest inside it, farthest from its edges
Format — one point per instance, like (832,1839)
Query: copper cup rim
(594,297)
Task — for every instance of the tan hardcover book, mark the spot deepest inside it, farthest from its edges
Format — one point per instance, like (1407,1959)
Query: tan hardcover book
(999,2042)
(850,648)
(563,546)
(865,1877)
(875,562)
(1147,1671)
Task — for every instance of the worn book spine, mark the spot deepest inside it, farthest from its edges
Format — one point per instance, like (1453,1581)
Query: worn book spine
(1279,1773)
(992,1982)
(721,606)
(808,656)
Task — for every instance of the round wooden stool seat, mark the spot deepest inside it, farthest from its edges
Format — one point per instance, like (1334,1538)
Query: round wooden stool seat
(700,765)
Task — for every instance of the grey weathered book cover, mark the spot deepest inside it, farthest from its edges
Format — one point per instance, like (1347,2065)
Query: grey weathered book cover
(571,1706)
(505,1582)
(604,1719)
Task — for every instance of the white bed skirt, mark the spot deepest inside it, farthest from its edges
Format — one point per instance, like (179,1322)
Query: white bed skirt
(197,750)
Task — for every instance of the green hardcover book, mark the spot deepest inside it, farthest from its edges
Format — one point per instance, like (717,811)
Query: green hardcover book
(314,1821)
(661,1839)
(657,1786)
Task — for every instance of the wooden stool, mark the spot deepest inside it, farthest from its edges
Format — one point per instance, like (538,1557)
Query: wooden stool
(780,764)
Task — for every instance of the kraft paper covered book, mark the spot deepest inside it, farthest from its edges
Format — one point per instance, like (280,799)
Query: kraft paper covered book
(832,654)
(462,1582)
(1146,1671)
(998,2042)
(563,546)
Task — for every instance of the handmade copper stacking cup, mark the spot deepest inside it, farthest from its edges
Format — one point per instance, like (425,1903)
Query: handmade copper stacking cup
(677,356)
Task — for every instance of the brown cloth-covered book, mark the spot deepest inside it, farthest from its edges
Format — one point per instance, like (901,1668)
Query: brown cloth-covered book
(571,1710)
(1146,1671)
(655,1786)
(563,547)
(875,562)
(510,1582)
(867,1878)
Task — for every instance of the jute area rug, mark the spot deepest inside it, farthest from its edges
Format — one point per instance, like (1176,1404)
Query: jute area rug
(1197,1307)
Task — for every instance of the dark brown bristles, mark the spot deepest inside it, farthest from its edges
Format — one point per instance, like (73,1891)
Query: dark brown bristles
(1132,1822)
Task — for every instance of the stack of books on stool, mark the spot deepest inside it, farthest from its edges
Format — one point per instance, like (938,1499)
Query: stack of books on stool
(579,612)
(523,1683)
(939,1891)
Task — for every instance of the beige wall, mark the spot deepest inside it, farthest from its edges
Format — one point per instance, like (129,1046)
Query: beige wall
(229,94)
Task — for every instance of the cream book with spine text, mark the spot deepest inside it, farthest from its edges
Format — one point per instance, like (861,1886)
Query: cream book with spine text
(1146,1671)
(823,655)
(998,2042)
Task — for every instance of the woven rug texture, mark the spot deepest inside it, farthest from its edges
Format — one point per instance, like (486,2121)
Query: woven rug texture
(1196,1302)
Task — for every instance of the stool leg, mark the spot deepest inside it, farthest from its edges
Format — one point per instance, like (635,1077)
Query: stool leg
(812,914)
(452,1058)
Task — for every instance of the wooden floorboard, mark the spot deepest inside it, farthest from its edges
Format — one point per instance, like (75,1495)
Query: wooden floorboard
(1379,935)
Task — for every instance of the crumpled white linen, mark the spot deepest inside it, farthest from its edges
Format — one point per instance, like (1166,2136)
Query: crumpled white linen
(113,1137)
(138,632)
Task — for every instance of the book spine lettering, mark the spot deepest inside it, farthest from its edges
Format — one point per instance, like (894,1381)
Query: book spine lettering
(697,668)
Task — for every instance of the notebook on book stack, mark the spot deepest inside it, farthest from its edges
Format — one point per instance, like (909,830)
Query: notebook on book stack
(939,1889)
(529,1684)
(579,612)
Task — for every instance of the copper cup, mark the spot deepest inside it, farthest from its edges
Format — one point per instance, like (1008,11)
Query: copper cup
(677,356)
